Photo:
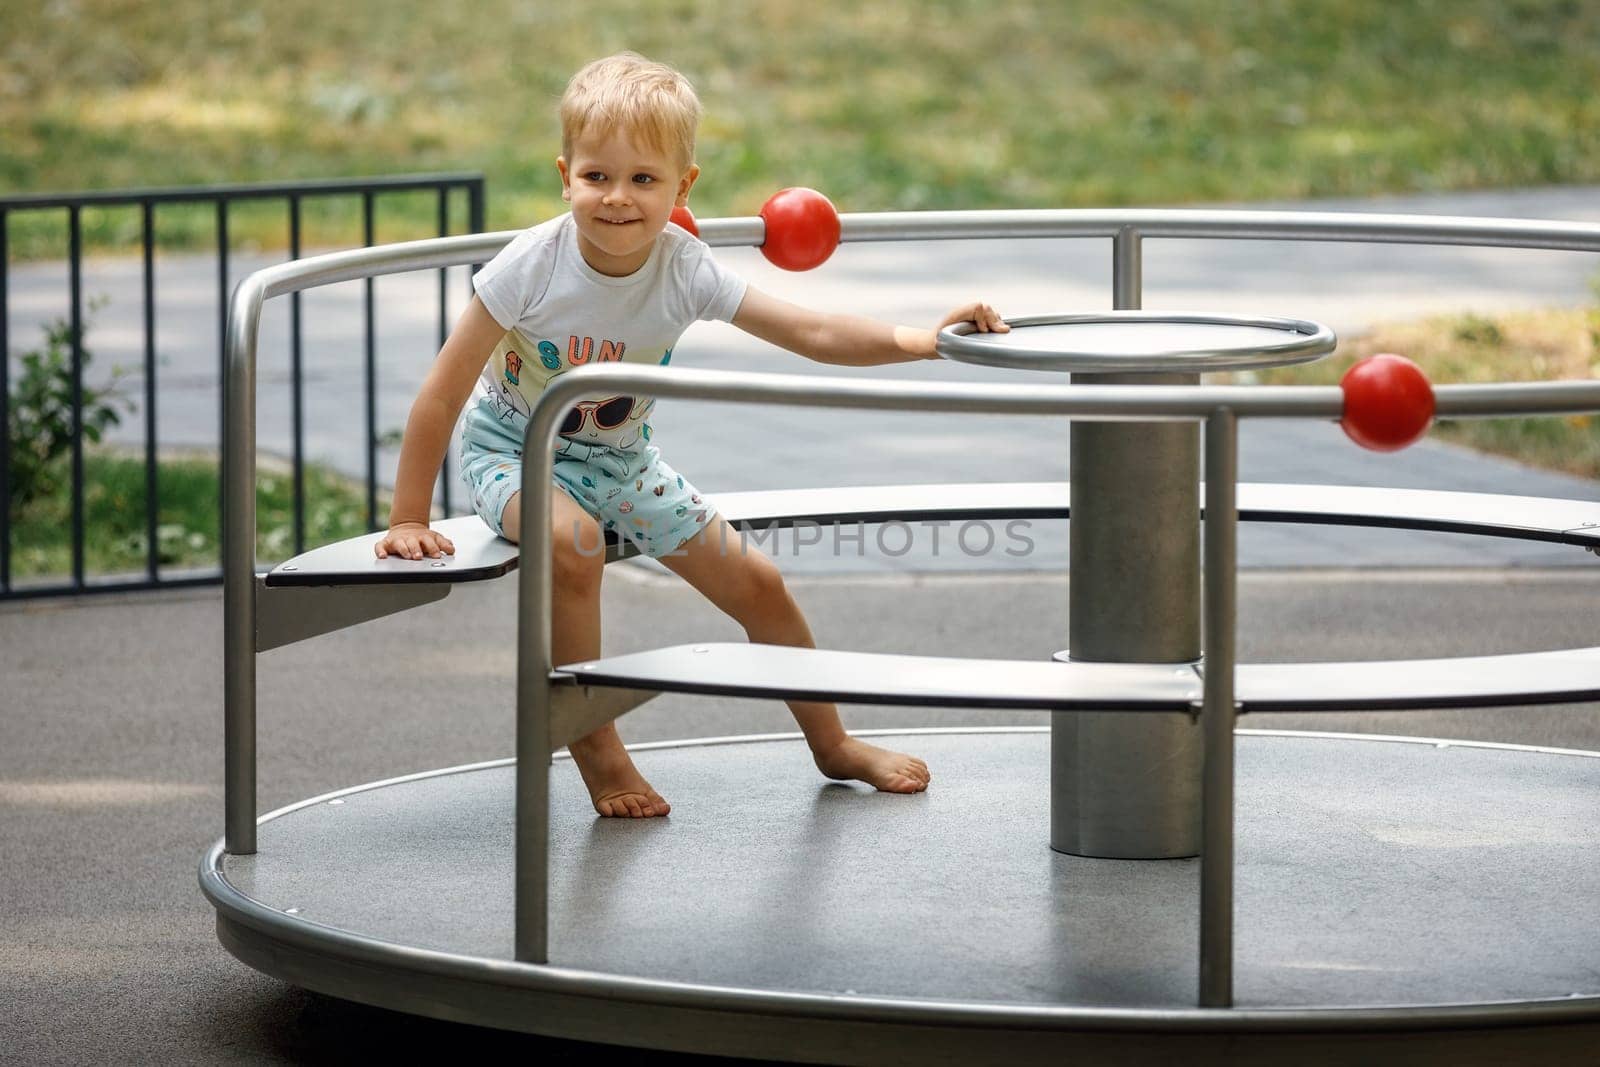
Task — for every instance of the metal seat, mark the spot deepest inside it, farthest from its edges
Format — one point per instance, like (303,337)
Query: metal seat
(481,555)
(782,673)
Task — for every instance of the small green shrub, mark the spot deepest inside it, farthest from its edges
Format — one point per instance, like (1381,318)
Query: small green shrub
(39,426)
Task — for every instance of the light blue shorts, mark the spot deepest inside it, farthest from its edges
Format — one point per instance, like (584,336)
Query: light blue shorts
(634,495)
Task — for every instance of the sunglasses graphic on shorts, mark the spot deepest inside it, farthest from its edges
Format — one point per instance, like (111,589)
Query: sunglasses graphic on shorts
(607,414)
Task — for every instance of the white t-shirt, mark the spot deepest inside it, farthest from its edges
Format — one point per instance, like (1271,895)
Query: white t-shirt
(559,312)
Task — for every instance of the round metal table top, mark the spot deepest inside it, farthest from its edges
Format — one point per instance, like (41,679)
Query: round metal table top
(1140,342)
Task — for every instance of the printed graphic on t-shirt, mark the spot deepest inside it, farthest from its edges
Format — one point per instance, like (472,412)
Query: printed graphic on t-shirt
(615,421)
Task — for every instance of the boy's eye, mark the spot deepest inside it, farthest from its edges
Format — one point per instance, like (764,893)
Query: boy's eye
(594,176)
(644,179)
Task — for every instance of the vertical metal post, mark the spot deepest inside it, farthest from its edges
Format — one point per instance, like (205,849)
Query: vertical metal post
(238,571)
(75,285)
(1217,716)
(444,329)
(534,664)
(152,485)
(475,221)
(475,205)
(369,320)
(1127,270)
(1128,786)
(5,404)
(297,388)
(222,359)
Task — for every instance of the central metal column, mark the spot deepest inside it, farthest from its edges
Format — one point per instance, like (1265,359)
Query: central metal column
(1127,786)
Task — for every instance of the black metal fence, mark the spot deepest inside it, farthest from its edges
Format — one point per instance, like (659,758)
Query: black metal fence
(147,201)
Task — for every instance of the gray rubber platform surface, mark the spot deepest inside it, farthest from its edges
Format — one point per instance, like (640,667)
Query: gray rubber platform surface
(1369,874)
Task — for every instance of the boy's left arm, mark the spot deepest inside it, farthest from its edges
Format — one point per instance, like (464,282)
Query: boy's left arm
(850,340)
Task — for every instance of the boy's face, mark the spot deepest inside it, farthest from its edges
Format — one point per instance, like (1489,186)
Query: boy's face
(622,195)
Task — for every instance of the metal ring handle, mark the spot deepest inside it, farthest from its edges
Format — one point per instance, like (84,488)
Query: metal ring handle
(1302,342)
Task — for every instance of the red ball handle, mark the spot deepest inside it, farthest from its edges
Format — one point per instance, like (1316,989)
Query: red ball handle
(685,218)
(1388,402)
(802,228)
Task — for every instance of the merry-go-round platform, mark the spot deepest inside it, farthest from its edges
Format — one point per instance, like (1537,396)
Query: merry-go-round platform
(1383,885)
(1134,880)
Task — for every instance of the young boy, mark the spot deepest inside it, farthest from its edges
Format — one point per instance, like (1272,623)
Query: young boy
(611,281)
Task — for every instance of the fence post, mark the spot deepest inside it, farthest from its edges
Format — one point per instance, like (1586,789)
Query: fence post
(152,484)
(75,287)
(5,403)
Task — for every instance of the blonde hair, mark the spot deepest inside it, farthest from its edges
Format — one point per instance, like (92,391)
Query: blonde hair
(631,94)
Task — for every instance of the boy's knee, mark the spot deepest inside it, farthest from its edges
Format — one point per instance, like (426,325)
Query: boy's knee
(761,586)
(578,555)
(511,518)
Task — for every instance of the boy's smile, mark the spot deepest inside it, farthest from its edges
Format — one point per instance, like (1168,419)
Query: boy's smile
(622,195)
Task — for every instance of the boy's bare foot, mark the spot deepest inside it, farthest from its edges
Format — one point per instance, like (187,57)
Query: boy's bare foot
(615,784)
(890,772)
(634,801)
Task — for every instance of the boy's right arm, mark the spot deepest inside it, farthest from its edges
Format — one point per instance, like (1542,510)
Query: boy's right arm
(433,416)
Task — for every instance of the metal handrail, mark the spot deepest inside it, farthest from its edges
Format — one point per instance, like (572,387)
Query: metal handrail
(1359,228)
(750,231)
(1218,408)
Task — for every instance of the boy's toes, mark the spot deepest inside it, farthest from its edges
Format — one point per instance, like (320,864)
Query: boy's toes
(905,778)
(914,770)
(632,806)
(904,783)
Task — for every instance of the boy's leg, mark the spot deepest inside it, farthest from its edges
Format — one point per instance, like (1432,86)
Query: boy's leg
(578,550)
(748,586)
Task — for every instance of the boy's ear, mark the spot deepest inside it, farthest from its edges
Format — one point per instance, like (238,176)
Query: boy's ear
(566,178)
(686,183)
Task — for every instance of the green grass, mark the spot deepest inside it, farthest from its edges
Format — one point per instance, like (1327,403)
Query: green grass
(1549,345)
(897,104)
(187,525)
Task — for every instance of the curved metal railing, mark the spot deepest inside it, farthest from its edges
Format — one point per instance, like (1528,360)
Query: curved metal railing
(1217,407)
